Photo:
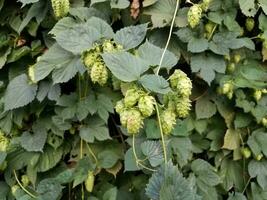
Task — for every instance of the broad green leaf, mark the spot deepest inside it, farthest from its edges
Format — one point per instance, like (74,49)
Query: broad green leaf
(236,196)
(153,151)
(107,159)
(162,13)
(49,189)
(155,83)
(263,5)
(207,65)
(257,142)
(101,26)
(111,194)
(248,7)
(4,52)
(152,54)
(119,4)
(125,66)
(242,120)
(95,129)
(62,24)
(152,129)
(257,192)
(18,53)
(205,108)
(19,92)
(131,36)
(78,38)
(34,141)
(197,45)
(2,157)
(130,163)
(85,13)
(4,189)
(259,169)
(104,106)
(25,2)
(231,139)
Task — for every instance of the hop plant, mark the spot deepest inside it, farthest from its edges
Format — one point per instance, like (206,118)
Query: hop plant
(168,120)
(60,7)
(250,23)
(3,166)
(146,105)
(227,87)
(132,96)
(14,189)
(132,120)
(120,107)
(175,77)
(90,57)
(124,115)
(31,74)
(205,4)
(4,142)
(194,15)
(25,180)
(245,151)
(264,121)
(257,95)
(99,73)
(181,83)
(183,105)
(108,46)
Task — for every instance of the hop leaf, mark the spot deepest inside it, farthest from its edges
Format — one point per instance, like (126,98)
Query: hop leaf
(99,73)
(60,7)
(168,120)
(146,105)
(182,107)
(194,15)
(4,142)
(132,96)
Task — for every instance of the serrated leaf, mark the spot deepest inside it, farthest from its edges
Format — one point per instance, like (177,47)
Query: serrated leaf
(131,36)
(207,65)
(19,92)
(259,169)
(153,151)
(49,189)
(197,45)
(78,38)
(107,158)
(155,83)
(248,7)
(205,108)
(152,54)
(62,24)
(257,142)
(101,26)
(125,66)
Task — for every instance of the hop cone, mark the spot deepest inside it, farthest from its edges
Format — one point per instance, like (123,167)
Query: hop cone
(257,95)
(120,107)
(205,5)
(108,46)
(168,120)
(60,7)
(134,121)
(25,180)
(194,15)
(99,73)
(4,142)
(132,96)
(181,83)
(124,117)
(89,58)
(175,77)
(146,105)
(31,74)
(183,105)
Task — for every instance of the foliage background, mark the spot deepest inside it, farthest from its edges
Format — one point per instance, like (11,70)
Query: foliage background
(61,125)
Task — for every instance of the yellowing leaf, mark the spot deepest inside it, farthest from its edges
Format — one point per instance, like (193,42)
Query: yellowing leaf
(115,169)
(231,139)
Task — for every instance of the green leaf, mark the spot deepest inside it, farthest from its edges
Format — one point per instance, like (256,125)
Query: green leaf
(131,36)
(162,13)
(152,54)
(18,53)
(242,120)
(101,26)
(4,189)
(248,7)
(155,83)
(263,5)
(111,194)
(49,189)
(125,66)
(153,151)
(197,45)
(62,24)
(104,106)
(130,163)
(95,129)
(78,38)
(231,139)
(259,169)
(4,52)
(119,4)
(25,2)
(205,172)
(152,129)
(19,92)
(207,65)
(34,141)
(205,108)
(257,142)
(2,157)
(236,196)
(107,159)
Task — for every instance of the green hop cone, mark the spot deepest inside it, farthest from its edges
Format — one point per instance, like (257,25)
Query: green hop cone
(259,157)
(245,151)
(257,95)
(183,105)
(133,119)
(108,46)
(25,180)
(31,74)
(237,58)
(120,107)
(124,115)
(90,57)
(132,96)
(14,189)
(250,23)
(184,87)
(146,105)
(4,142)
(168,120)
(231,67)
(264,121)
(99,73)
(175,77)
(205,5)
(194,15)
(60,7)
(227,88)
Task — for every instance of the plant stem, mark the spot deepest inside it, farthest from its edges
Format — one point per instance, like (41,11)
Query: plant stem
(169,37)
(92,153)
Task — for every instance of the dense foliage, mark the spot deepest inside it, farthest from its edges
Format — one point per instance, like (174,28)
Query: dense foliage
(119,99)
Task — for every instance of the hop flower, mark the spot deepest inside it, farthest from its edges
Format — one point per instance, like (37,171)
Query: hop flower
(205,5)
(14,189)
(194,15)
(245,151)
(257,95)
(227,88)
(182,106)
(264,121)
(90,57)
(132,96)
(120,107)
(134,121)
(175,77)
(250,23)
(108,46)
(168,120)
(259,157)
(146,105)
(99,73)
(181,83)
(4,142)
(25,180)
(31,74)
(60,7)
(124,117)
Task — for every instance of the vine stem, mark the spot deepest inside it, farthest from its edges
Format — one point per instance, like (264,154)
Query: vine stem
(22,187)
(137,159)
(212,32)
(161,134)
(92,153)
(169,37)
